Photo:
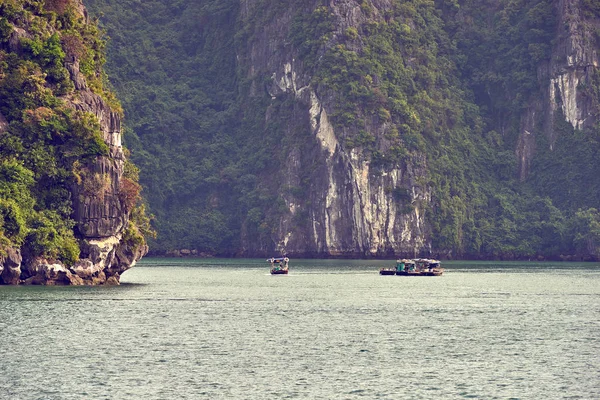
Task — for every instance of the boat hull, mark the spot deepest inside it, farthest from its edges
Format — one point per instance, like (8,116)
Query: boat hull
(387,272)
(408,273)
(279,272)
(432,273)
(419,273)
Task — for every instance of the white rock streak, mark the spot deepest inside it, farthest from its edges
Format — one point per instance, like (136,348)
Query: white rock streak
(355,193)
(567,90)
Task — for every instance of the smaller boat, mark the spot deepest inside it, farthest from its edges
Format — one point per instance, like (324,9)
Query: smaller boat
(279,266)
(387,271)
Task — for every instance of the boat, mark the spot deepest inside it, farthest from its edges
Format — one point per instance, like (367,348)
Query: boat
(416,267)
(402,268)
(279,266)
(387,271)
(406,268)
(431,268)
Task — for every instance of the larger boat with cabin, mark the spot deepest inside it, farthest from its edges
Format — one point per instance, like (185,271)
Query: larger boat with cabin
(414,267)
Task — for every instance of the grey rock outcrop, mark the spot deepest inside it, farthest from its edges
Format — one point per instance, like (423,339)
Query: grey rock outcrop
(573,60)
(40,271)
(14,41)
(349,208)
(3,124)
(10,267)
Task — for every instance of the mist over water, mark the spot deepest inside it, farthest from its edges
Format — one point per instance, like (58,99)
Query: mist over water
(331,329)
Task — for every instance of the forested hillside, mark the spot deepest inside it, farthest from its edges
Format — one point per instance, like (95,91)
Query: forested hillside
(69,199)
(363,128)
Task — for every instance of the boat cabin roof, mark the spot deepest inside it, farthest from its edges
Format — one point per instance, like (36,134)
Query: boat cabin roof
(419,260)
(277,259)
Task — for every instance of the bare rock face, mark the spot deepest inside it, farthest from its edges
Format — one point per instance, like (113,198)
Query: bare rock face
(349,209)
(76,76)
(125,257)
(573,61)
(14,41)
(10,267)
(98,208)
(44,272)
(3,124)
(89,272)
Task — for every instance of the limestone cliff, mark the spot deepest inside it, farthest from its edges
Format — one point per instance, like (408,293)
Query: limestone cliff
(351,205)
(347,207)
(565,80)
(101,210)
(362,128)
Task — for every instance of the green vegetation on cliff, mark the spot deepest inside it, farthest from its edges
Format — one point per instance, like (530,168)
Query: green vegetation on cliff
(43,141)
(501,48)
(447,79)
(174,67)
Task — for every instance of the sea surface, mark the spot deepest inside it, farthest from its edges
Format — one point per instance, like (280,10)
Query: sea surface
(331,329)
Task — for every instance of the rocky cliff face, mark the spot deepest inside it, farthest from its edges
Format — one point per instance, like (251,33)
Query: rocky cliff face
(574,60)
(100,212)
(563,79)
(355,128)
(348,207)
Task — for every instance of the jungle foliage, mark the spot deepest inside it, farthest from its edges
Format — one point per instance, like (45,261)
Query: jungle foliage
(45,142)
(447,78)
(200,153)
(500,46)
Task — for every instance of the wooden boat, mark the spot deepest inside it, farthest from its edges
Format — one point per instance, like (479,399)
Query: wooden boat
(415,267)
(279,266)
(279,271)
(429,267)
(437,272)
(387,271)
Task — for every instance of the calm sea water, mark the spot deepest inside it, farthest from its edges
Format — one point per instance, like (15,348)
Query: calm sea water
(331,329)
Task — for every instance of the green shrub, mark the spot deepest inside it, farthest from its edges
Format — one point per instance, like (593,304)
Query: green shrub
(6,29)
(12,221)
(351,33)
(51,236)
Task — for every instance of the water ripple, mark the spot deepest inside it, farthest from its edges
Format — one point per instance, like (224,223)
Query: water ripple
(223,330)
